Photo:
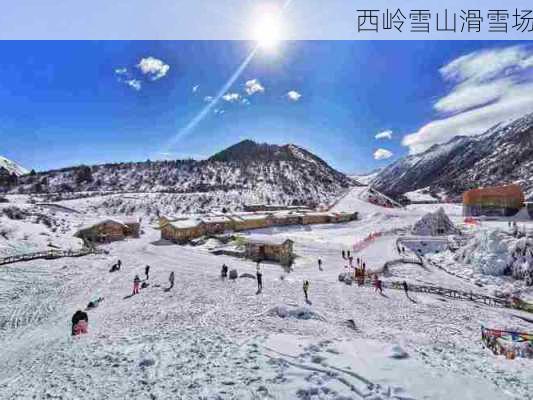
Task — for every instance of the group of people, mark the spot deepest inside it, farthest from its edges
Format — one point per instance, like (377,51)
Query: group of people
(400,249)
(259,277)
(80,319)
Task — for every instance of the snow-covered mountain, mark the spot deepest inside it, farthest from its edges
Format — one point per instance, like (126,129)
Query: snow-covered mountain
(366,179)
(503,154)
(11,167)
(253,172)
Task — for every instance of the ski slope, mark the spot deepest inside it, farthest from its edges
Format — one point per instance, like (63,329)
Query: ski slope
(213,339)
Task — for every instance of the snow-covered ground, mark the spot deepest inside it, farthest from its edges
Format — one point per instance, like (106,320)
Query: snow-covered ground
(213,339)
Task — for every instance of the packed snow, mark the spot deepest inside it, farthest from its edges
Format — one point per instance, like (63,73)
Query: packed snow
(208,338)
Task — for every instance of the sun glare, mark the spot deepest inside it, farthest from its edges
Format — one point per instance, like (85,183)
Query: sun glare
(267,27)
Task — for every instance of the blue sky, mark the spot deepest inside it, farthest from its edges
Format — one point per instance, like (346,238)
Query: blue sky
(72,102)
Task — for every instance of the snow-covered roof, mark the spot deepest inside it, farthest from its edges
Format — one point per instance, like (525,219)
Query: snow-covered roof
(251,217)
(269,241)
(216,219)
(186,223)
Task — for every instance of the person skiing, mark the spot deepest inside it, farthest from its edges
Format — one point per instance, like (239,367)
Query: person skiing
(358,262)
(343,255)
(80,321)
(379,286)
(306,288)
(119,264)
(405,288)
(224,271)
(259,275)
(403,250)
(171,279)
(348,253)
(147,271)
(136,284)
(320,264)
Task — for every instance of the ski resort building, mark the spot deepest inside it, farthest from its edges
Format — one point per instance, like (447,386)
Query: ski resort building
(181,231)
(109,230)
(270,250)
(184,230)
(493,201)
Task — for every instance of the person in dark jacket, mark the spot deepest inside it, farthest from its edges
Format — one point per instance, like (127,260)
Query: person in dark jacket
(147,271)
(224,271)
(343,255)
(405,288)
(306,289)
(320,264)
(171,279)
(77,317)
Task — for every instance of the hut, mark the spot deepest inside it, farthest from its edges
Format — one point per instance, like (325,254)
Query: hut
(271,250)
(108,230)
(493,201)
(181,231)
(315,218)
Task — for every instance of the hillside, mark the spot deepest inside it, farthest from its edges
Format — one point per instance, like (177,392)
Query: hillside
(503,154)
(245,172)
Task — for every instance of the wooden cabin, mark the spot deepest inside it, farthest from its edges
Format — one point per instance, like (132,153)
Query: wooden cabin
(106,231)
(181,231)
(493,201)
(280,251)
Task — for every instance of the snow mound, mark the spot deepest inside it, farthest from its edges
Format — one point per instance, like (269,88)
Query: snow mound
(305,313)
(435,224)
(397,352)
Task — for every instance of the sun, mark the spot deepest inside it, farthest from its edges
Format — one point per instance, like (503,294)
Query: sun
(267,27)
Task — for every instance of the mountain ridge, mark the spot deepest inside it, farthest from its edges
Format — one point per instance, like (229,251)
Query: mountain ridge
(501,155)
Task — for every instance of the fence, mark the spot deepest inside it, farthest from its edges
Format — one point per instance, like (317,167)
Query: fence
(50,255)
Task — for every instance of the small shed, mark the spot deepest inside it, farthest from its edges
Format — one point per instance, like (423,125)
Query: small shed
(271,250)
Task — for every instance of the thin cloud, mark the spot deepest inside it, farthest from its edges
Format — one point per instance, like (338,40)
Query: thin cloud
(382,154)
(152,67)
(232,97)
(253,86)
(195,88)
(488,87)
(134,84)
(208,99)
(384,135)
(293,95)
